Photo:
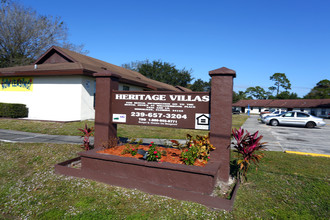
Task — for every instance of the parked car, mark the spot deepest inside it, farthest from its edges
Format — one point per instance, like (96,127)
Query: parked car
(235,111)
(273,113)
(266,111)
(295,118)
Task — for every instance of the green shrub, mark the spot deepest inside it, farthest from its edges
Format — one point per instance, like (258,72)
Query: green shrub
(247,147)
(195,148)
(8,110)
(153,153)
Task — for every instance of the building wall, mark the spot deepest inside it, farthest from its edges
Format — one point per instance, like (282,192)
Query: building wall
(87,98)
(130,87)
(57,98)
(51,98)
(319,112)
(253,110)
(306,110)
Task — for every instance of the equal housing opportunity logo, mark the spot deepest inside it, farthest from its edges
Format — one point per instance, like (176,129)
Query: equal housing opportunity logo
(202,121)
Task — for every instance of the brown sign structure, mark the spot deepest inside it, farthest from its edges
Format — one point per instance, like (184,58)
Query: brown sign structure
(166,109)
(177,110)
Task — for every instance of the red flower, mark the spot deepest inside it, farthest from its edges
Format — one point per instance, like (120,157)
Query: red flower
(186,159)
(157,156)
(186,150)
(155,152)
(150,145)
(133,149)
(152,142)
(208,157)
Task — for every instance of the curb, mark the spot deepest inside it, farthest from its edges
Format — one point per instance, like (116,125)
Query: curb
(307,154)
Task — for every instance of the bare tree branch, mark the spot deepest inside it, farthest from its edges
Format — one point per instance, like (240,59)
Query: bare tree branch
(25,35)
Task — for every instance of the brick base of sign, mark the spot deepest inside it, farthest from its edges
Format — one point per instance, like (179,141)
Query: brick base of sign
(177,181)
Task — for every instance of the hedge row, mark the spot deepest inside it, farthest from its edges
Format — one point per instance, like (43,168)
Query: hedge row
(8,110)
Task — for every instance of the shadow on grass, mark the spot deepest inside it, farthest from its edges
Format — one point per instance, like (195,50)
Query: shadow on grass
(234,169)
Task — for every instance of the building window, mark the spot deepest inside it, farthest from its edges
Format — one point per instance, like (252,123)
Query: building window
(313,112)
(259,109)
(94,100)
(126,88)
(301,109)
(323,111)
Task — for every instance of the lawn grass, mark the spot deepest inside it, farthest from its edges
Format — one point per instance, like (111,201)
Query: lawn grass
(285,186)
(45,127)
(129,131)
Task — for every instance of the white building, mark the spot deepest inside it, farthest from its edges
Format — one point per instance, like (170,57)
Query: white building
(60,85)
(317,107)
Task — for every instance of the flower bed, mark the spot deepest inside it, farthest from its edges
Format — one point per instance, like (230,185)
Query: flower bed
(170,155)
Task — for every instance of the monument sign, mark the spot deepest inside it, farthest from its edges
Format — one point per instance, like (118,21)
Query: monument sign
(189,110)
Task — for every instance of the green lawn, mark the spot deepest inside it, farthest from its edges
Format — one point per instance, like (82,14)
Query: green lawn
(285,186)
(71,128)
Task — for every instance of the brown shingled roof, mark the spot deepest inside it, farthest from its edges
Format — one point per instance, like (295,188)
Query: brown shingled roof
(60,61)
(252,103)
(285,103)
(183,89)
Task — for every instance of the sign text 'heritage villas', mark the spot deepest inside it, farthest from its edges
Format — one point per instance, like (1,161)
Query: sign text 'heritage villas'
(168,109)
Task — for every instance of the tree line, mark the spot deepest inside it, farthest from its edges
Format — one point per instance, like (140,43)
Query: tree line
(281,90)
(168,73)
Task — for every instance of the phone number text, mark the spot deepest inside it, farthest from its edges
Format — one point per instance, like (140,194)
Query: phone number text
(158,115)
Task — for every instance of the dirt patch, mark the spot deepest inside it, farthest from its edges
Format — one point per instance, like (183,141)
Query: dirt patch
(172,155)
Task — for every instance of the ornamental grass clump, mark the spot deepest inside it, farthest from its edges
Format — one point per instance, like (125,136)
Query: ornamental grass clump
(153,153)
(247,147)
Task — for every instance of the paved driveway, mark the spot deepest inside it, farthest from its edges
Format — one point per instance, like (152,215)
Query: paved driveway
(27,137)
(282,138)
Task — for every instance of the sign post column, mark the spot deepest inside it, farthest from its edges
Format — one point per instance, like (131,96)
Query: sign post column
(106,82)
(221,117)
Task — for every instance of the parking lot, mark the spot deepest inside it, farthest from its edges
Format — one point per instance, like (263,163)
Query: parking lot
(283,138)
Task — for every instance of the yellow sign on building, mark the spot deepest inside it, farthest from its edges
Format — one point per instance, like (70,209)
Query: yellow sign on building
(22,84)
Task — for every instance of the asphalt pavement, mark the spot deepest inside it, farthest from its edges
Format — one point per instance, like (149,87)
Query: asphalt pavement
(287,138)
(27,137)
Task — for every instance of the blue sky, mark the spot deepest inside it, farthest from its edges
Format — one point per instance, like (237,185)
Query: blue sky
(256,38)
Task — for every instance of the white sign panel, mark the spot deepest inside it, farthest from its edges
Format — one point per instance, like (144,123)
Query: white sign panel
(121,118)
(202,121)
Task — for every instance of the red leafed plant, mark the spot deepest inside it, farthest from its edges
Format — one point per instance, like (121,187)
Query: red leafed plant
(87,133)
(248,148)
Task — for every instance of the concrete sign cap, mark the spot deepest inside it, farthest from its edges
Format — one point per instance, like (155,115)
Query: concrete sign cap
(223,71)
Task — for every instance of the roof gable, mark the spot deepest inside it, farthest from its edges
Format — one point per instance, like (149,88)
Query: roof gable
(54,55)
(60,61)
